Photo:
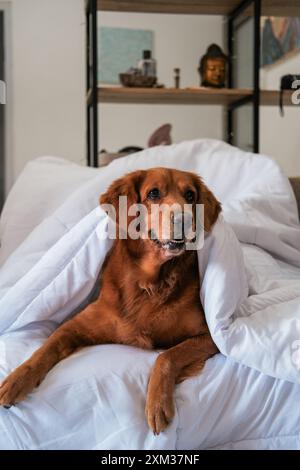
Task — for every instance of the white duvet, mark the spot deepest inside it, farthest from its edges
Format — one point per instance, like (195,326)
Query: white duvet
(247,397)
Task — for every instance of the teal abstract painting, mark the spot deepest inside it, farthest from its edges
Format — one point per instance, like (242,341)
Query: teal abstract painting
(280,38)
(119,49)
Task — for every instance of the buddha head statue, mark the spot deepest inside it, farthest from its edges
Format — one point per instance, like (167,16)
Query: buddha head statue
(212,67)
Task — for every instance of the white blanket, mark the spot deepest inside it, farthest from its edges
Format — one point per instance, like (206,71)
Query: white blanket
(94,400)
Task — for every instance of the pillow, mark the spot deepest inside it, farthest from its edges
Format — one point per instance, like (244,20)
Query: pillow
(42,186)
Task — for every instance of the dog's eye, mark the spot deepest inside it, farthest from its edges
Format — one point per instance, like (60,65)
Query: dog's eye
(189,196)
(153,194)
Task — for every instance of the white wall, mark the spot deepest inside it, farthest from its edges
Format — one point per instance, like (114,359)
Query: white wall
(280,136)
(48,80)
(179,41)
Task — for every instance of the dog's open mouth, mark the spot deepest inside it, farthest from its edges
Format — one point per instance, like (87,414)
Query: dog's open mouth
(171,245)
(175,246)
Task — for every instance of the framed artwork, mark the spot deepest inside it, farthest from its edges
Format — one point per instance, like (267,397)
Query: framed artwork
(280,38)
(119,49)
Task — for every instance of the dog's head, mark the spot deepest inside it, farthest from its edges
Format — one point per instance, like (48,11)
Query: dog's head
(160,206)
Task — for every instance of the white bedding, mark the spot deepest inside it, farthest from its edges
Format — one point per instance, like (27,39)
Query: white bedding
(95,400)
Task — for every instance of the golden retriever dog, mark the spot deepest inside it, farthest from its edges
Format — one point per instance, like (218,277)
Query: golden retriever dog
(149,296)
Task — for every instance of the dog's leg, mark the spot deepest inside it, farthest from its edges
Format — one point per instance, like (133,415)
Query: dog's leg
(171,367)
(94,325)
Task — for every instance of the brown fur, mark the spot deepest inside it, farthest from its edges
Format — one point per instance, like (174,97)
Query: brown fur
(147,300)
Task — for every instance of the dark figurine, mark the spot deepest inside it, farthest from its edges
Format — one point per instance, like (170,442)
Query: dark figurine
(212,67)
(177,77)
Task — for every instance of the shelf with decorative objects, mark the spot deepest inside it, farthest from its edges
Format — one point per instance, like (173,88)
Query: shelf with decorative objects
(232,98)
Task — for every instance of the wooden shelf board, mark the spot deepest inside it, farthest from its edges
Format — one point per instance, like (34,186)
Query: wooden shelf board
(281,7)
(271,98)
(214,7)
(204,7)
(205,96)
(201,96)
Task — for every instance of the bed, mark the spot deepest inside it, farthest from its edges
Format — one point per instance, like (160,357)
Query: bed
(247,397)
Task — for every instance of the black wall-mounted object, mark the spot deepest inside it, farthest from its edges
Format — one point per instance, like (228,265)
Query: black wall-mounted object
(287,82)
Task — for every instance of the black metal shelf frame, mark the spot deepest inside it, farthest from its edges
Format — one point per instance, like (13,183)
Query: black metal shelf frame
(255,98)
(92,69)
(91,82)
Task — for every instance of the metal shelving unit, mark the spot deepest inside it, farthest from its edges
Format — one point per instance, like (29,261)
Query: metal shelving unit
(234,98)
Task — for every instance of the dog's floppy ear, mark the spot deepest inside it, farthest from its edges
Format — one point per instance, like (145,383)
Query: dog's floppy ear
(212,206)
(129,185)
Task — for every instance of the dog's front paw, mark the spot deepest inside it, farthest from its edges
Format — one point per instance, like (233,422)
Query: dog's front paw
(17,385)
(159,412)
(160,402)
